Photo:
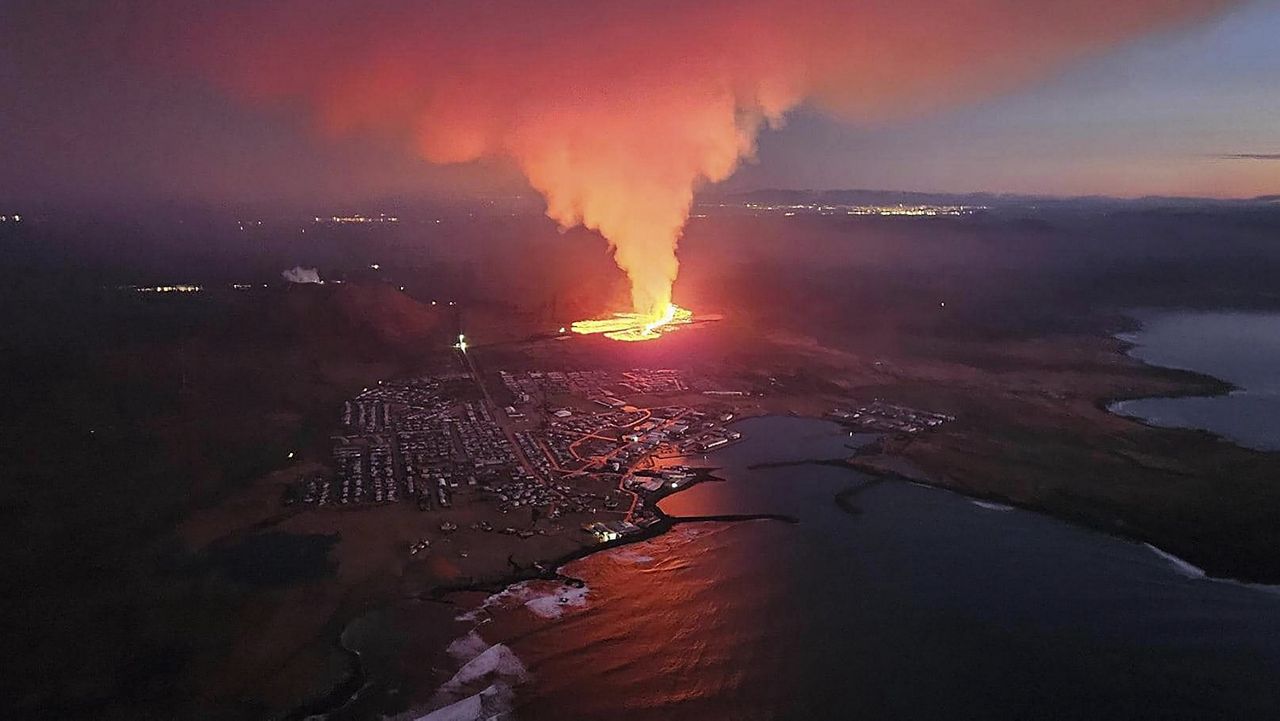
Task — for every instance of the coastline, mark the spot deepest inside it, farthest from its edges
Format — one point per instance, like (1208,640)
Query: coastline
(550,570)
(1080,520)
(846,500)
(879,474)
(349,691)
(1190,456)
(1213,387)
(1188,384)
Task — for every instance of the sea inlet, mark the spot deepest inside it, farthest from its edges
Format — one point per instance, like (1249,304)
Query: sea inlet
(901,602)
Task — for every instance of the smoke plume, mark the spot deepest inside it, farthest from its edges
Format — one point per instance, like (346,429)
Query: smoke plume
(298,274)
(617,111)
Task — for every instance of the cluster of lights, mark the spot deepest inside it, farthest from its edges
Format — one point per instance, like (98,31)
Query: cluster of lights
(887,210)
(635,326)
(11,218)
(358,218)
(179,288)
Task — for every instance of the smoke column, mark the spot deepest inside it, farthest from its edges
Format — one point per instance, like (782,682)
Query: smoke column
(617,111)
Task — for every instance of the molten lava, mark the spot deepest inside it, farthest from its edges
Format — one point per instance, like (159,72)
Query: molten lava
(636,326)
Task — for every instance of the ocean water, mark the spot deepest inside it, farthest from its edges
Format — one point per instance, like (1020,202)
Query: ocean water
(921,604)
(1240,348)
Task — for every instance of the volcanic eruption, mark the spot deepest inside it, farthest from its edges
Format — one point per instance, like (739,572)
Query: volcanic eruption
(616,112)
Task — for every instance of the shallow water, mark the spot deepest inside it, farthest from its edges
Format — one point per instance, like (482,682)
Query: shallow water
(922,605)
(1240,348)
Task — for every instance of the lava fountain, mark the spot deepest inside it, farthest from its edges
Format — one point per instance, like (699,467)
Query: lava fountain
(636,326)
(616,112)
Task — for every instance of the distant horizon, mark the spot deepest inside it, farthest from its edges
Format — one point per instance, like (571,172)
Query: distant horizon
(531,199)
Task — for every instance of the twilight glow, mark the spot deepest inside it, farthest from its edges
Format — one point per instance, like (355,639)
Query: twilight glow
(617,112)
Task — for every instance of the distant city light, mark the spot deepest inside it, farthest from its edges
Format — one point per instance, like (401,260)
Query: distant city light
(358,218)
(178,288)
(461,344)
(883,210)
(375,266)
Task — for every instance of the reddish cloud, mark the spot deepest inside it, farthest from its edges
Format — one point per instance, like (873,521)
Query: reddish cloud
(616,111)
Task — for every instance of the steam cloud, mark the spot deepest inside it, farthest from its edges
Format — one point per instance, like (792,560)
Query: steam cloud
(617,110)
(298,274)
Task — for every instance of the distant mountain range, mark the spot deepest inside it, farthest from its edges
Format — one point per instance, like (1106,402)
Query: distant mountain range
(863,197)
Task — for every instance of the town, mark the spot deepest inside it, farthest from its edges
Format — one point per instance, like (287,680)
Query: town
(541,446)
(881,417)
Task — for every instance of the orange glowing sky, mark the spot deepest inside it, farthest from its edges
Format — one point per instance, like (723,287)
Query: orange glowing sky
(617,112)
(1127,98)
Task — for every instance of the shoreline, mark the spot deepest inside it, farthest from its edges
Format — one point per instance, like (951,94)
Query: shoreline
(550,570)
(1193,384)
(349,690)
(1215,388)
(844,499)
(1080,521)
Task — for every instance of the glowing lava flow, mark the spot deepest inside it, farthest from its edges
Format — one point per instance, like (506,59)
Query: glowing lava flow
(635,326)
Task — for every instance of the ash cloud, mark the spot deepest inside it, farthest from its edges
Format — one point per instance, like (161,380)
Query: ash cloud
(617,111)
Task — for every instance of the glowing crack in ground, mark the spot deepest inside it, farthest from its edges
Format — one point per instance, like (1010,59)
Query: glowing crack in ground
(635,326)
